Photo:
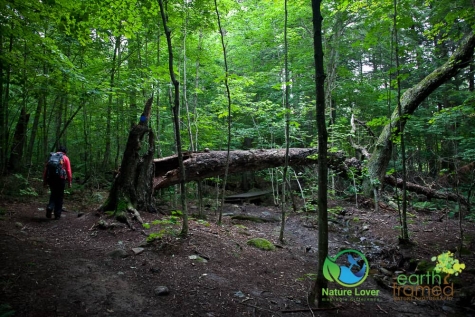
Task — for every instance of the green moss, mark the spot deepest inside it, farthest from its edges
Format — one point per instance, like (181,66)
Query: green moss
(121,205)
(262,244)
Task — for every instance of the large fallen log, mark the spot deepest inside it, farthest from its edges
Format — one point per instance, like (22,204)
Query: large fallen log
(426,191)
(201,165)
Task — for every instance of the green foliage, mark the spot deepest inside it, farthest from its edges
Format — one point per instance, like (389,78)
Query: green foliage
(335,211)
(378,122)
(29,191)
(18,185)
(6,310)
(167,227)
(424,205)
(262,244)
(98,62)
(470,217)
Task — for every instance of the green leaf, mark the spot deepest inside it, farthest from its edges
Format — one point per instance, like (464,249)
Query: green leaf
(331,270)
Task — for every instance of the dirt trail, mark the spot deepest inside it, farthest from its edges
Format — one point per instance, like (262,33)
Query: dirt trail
(71,267)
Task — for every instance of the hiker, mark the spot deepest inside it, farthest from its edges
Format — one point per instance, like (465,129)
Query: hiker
(57,172)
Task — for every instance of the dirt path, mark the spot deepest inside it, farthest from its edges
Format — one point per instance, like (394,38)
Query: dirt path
(71,267)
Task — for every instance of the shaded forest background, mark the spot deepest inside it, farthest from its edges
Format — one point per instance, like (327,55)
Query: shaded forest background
(78,74)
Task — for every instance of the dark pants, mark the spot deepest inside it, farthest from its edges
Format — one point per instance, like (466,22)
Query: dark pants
(57,194)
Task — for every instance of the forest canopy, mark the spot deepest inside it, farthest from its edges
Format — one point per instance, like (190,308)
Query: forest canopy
(78,73)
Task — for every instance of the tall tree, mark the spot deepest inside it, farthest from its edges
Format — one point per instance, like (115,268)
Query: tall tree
(287,122)
(403,212)
(321,282)
(176,118)
(229,103)
(19,142)
(113,72)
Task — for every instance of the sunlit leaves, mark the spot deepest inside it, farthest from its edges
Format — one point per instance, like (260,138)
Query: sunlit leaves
(378,122)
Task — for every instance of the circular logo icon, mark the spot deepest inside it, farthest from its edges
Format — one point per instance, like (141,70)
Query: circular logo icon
(348,268)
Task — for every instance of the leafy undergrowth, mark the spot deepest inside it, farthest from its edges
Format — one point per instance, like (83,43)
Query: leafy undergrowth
(72,267)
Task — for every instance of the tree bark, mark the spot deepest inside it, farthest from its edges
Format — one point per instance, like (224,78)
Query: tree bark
(201,165)
(321,282)
(19,141)
(5,70)
(132,187)
(107,153)
(176,119)
(36,123)
(410,100)
(426,191)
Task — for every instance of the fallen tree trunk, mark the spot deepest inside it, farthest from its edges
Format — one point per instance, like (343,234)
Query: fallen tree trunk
(426,191)
(201,165)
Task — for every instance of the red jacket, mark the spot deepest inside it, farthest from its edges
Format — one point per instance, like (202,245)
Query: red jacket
(67,167)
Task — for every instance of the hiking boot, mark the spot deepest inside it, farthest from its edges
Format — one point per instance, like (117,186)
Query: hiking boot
(49,211)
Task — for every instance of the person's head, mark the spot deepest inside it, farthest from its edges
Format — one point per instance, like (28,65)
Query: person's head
(63,149)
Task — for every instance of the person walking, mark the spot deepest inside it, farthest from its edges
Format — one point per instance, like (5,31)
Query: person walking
(56,174)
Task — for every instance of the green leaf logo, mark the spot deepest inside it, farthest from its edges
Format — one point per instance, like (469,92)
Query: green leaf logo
(331,270)
(349,271)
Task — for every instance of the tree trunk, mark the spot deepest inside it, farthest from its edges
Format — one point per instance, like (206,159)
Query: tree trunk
(4,109)
(201,165)
(287,124)
(176,119)
(426,191)
(410,100)
(132,187)
(36,123)
(19,141)
(108,151)
(229,118)
(321,282)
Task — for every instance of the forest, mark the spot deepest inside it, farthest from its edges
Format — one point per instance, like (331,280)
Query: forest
(349,125)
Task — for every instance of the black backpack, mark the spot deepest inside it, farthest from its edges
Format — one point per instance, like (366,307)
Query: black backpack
(55,168)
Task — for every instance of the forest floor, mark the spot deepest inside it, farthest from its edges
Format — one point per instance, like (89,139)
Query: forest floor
(72,267)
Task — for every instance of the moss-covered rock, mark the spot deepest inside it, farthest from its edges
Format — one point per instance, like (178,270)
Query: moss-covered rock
(262,244)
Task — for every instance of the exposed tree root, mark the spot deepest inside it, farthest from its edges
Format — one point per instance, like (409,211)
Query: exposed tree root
(135,214)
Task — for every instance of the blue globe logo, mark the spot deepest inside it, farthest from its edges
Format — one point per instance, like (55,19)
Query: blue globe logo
(348,268)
